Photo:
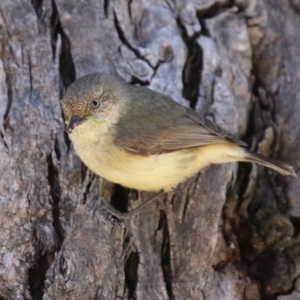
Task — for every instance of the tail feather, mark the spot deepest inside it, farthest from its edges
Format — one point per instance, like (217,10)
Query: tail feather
(274,164)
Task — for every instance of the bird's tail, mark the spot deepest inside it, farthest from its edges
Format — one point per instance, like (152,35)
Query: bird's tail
(274,164)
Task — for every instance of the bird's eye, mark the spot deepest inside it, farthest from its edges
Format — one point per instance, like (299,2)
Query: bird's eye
(95,103)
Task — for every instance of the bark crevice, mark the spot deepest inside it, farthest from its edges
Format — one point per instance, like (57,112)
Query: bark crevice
(193,66)
(126,42)
(120,198)
(131,273)
(106,7)
(9,97)
(166,255)
(37,5)
(67,69)
(55,194)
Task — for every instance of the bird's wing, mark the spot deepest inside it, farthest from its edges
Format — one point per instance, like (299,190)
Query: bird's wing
(157,124)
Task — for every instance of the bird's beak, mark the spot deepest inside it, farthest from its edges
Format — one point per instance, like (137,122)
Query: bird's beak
(73,122)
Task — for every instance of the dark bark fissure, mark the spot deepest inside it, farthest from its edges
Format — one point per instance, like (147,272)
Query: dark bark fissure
(83,173)
(204,29)
(55,27)
(57,150)
(242,183)
(192,70)
(66,64)
(98,293)
(295,6)
(42,17)
(37,274)
(37,4)
(55,193)
(129,9)
(124,40)
(186,198)
(66,139)
(84,170)
(30,78)
(88,185)
(296,223)
(2,138)
(131,273)
(135,80)
(166,254)
(9,97)
(105,7)
(63,266)
(45,253)
(120,198)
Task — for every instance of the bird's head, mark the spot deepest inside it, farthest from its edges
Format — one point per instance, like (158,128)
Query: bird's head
(94,98)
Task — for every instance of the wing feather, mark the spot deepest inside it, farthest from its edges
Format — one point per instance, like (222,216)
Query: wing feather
(157,124)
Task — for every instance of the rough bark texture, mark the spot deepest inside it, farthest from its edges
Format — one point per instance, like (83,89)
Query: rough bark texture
(232,232)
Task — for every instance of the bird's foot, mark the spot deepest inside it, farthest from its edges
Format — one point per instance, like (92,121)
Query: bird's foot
(126,216)
(110,209)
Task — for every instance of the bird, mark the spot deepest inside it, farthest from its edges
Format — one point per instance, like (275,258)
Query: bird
(143,139)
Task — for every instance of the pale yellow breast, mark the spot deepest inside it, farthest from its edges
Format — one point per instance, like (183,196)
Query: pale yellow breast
(148,173)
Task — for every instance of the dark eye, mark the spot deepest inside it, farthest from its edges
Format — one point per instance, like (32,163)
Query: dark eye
(95,103)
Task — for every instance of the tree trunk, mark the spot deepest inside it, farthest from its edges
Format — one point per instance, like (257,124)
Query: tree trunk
(231,232)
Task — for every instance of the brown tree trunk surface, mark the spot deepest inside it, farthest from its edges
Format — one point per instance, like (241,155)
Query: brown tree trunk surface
(231,232)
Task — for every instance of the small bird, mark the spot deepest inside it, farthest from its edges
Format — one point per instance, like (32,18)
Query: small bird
(144,140)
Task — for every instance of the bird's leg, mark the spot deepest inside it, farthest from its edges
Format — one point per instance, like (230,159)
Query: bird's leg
(146,203)
(114,212)
(126,216)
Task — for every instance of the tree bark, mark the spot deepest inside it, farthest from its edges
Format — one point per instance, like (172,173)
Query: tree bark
(231,232)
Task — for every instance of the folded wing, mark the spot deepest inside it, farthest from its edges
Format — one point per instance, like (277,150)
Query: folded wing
(157,124)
